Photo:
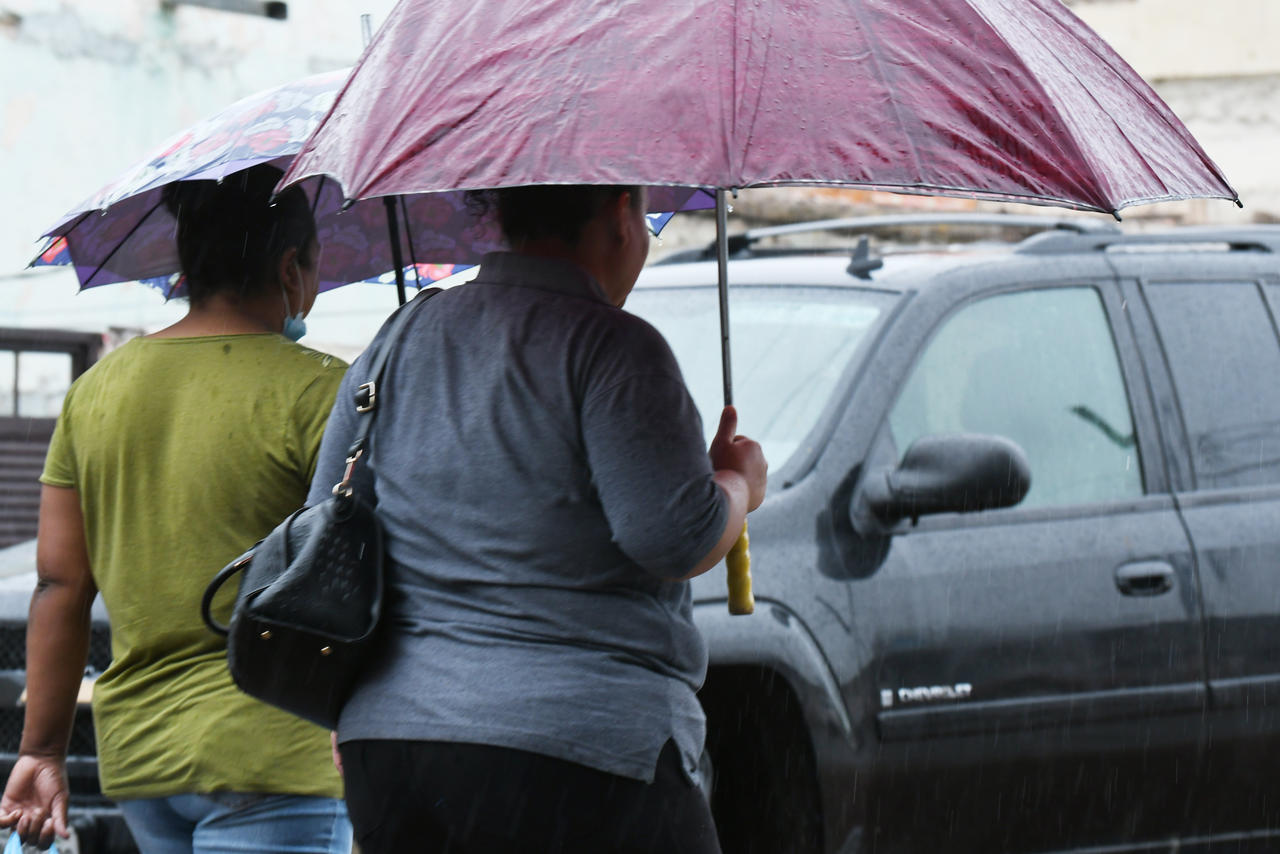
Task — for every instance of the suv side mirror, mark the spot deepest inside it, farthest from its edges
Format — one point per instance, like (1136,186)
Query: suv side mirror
(950,473)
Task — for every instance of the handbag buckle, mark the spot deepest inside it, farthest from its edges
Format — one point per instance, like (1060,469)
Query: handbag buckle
(343,487)
(366,396)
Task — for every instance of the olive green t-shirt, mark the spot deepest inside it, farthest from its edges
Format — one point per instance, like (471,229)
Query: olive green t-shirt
(185,452)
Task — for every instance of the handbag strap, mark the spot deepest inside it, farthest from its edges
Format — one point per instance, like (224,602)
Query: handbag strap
(366,394)
(224,575)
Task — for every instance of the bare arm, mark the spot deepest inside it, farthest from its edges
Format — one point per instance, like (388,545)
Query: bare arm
(58,625)
(35,798)
(741,473)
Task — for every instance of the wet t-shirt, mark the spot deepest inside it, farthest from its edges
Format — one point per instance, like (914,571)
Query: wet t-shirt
(185,452)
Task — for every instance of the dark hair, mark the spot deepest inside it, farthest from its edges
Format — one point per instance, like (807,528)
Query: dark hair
(545,210)
(231,233)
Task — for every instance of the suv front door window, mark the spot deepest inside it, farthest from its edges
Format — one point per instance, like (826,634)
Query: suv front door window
(1040,368)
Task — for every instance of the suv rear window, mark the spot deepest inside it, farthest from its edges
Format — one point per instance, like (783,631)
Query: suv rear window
(1224,354)
(790,346)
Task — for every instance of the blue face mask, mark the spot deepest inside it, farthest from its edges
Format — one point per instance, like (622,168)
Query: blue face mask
(295,325)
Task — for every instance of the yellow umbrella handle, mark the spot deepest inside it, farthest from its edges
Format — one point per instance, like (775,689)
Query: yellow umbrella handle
(738,562)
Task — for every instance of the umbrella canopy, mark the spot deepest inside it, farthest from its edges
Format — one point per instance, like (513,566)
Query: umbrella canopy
(124,233)
(1009,100)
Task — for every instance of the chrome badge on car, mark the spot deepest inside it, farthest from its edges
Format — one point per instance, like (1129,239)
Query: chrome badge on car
(926,694)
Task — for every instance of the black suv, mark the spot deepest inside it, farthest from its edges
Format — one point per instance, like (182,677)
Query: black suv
(937,663)
(941,658)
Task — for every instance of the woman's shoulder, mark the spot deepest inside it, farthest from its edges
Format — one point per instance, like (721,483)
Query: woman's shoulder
(103,370)
(316,359)
(263,361)
(630,336)
(292,362)
(615,345)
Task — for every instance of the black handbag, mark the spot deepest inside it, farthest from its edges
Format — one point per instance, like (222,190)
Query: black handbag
(310,598)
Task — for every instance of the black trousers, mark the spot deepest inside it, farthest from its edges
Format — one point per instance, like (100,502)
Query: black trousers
(426,796)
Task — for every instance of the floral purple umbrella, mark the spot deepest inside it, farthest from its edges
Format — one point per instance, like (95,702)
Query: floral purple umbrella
(124,233)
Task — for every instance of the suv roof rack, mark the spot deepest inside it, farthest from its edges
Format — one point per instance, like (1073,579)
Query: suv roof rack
(739,243)
(1247,238)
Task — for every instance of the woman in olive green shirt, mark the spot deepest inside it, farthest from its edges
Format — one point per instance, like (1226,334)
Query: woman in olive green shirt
(171,456)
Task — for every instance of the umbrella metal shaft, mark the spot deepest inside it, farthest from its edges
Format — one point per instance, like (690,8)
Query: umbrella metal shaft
(722,264)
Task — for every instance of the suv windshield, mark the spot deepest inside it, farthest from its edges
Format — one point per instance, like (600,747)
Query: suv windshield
(790,346)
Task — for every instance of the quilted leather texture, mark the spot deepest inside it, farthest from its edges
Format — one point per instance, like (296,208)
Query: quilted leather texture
(319,570)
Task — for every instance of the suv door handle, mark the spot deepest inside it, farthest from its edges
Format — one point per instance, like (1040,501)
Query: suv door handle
(1145,578)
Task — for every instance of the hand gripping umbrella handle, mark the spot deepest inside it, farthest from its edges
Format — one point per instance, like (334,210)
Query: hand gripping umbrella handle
(738,562)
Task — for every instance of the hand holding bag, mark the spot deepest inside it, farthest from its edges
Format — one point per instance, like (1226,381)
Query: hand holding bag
(311,593)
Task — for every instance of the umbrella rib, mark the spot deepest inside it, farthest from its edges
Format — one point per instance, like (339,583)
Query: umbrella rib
(397,160)
(733,88)
(76,224)
(740,171)
(1102,205)
(63,236)
(173,287)
(1111,205)
(1178,132)
(876,63)
(1118,203)
(315,203)
(123,241)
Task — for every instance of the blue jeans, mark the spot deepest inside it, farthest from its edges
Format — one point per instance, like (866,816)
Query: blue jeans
(238,823)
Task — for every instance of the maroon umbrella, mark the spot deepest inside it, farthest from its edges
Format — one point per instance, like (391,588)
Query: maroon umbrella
(1008,100)
(1011,100)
